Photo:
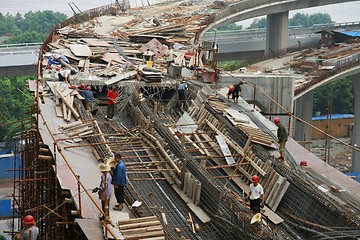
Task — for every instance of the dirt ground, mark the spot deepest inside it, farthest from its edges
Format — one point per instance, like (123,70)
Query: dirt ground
(340,155)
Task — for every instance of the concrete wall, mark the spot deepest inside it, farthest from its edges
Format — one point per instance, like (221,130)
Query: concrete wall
(280,88)
(338,128)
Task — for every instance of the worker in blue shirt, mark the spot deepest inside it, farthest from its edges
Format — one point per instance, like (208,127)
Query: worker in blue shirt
(89,97)
(119,181)
(181,92)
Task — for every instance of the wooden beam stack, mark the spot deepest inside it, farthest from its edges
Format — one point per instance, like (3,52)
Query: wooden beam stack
(142,228)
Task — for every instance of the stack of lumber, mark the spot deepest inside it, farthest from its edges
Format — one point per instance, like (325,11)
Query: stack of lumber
(257,135)
(64,99)
(142,228)
(77,130)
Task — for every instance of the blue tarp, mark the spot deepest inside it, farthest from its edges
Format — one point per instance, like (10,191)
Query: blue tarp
(354,174)
(333,116)
(5,208)
(351,33)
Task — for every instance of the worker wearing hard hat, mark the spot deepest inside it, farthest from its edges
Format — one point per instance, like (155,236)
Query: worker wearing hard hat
(88,95)
(64,75)
(30,231)
(282,138)
(234,91)
(256,194)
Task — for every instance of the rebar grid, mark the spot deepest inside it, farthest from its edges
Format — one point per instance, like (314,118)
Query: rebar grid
(304,205)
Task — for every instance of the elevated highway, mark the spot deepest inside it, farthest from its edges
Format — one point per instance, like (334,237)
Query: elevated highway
(18,59)
(21,59)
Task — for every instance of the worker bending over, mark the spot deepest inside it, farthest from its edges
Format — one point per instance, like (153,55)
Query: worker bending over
(234,91)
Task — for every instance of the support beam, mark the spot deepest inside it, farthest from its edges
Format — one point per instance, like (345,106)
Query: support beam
(303,109)
(277,34)
(356,129)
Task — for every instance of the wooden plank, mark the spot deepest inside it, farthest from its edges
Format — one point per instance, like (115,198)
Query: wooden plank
(141,230)
(71,101)
(76,115)
(236,147)
(71,134)
(144,235)
(80,50)
(225,149)
(137,220)
(58,111)
(139,224)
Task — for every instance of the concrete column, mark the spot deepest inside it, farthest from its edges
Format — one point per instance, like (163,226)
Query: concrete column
(303,108)
(277,34)
(356,130)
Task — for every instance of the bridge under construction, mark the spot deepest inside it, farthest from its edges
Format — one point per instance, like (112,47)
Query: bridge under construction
(189,168)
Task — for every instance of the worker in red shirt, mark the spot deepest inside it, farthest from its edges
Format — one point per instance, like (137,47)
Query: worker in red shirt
(111,101)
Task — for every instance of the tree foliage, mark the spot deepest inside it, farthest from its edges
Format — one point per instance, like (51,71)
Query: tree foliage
(13,105)
(341,95)
(32,27)
(299,19)
(232,65)
(229,27)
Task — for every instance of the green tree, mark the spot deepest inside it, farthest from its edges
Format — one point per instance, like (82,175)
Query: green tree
(306,20)
(299,19)
(320,18)
(13,105)
(340,93)
(26,37)
(229,27)
(232,65)
(33,27)
(41,21)
(258,23)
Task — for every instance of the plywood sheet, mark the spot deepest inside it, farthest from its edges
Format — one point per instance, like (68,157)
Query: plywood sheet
(225,149)
(80,50)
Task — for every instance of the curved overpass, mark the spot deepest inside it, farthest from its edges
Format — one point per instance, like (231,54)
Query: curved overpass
(250,9)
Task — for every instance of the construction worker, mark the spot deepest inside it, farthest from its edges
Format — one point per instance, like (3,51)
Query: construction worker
(30,231)
(111,101)
(169,57)
(282,138)
(234,91)
(89,97)
(104,190)
(181,92)
(64,75)
(256,194)
(119,181)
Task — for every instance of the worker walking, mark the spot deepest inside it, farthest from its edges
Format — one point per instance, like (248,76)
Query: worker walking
(256,194)
(119,181)
(111,101)
(282,138)
(234,91)
(104,190)
(181,92)
(30,231)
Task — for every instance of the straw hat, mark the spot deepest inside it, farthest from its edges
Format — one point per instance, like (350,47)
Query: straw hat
(103,167)
(256,218)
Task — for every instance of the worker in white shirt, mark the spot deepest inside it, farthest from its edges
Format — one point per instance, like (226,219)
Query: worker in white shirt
(64,75)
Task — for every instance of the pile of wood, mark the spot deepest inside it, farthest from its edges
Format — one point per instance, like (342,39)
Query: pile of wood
(64,99)
(142,228)
(78,130)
